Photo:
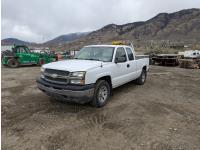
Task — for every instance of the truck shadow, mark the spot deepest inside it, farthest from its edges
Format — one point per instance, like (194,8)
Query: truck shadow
(125,88)
(74,107)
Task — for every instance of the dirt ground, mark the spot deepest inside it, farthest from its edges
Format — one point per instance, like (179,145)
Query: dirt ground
(163,114)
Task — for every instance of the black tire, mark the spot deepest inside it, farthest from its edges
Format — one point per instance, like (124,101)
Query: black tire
(153,62)
(13,63)
(41,62)
(142,78)
(100,99)
(2,61)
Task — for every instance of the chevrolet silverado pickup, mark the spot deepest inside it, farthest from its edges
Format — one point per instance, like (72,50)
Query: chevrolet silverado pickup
(93,73)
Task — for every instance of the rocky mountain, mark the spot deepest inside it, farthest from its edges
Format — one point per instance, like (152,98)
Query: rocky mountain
(66,38)
(182,27)
(56,41)
(11,41)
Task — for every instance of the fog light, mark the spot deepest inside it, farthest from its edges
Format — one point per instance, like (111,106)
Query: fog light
(42,69)
(42,76)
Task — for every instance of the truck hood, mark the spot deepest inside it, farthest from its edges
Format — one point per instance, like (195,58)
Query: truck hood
(74,65)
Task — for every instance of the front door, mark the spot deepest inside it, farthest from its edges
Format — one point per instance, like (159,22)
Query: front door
(121,69)
(24,56)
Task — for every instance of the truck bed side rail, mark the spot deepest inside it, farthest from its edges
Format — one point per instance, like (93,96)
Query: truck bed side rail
(141,56)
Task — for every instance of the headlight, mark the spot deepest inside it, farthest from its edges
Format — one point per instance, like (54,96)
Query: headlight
(81,82)
(42,69)
(79,75)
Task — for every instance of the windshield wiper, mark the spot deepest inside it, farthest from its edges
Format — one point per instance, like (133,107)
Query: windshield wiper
(88,59)
(79,58)
(93,59)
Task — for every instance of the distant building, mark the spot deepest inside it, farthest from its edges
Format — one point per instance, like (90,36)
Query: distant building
(7,47)
(177,46)
(73,53)
(39,49)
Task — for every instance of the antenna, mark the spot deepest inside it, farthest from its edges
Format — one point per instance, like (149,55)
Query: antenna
(131,44)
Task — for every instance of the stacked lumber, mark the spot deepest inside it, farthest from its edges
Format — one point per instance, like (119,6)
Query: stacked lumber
(190,63)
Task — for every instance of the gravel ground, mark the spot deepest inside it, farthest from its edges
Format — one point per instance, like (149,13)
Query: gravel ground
(163,114)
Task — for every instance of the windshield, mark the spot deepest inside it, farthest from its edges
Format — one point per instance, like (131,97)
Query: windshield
(21,49)
(96,53)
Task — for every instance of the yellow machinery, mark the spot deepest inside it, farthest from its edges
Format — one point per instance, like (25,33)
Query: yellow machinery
(122,43)
(119,43)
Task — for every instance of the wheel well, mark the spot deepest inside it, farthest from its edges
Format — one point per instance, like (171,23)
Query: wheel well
(14,57)
(144,68)
(108,79)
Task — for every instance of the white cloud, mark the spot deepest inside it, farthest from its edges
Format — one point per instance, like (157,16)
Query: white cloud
(40,20)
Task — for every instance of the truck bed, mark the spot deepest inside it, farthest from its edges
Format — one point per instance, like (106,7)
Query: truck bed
(141,56)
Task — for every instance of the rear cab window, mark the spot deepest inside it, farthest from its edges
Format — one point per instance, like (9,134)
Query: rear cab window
(129,53)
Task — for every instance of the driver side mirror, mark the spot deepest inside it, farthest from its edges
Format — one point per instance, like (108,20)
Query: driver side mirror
(120,59)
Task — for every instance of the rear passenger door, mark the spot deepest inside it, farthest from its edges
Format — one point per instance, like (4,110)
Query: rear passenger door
(132,64)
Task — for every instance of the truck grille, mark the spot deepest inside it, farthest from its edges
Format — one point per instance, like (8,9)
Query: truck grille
(56,76)
(56,79)
(58,72)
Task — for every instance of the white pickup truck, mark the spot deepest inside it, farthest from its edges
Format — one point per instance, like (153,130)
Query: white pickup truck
(93,73)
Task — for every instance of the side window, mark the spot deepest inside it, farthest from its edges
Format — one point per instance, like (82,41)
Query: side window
(27,50)
(130,54)
(21,50)
(121,54)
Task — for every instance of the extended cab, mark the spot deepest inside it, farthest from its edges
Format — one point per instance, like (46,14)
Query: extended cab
(93,73)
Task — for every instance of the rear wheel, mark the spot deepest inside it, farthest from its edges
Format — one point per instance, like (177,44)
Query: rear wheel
(2,62)
(101,93)
(13,63)
(142,78)
(41,62)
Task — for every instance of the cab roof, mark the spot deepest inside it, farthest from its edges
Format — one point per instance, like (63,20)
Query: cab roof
(108,46)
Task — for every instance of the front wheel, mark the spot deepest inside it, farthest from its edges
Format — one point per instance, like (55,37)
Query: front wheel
(13,63)
(101,93)
(142,78)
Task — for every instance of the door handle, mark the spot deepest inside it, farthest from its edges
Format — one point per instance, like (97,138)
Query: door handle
(128,65)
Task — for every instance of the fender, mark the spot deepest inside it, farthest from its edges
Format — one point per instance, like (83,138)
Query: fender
(93,75)
(103,75)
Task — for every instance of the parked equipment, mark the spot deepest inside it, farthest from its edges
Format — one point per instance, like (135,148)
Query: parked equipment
(190,59)
(21,55)
(165,59)
(192,54)
(62,55)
